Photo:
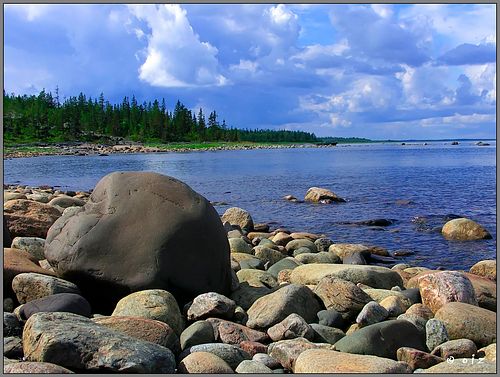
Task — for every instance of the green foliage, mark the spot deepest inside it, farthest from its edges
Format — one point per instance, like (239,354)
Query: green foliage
(44,118)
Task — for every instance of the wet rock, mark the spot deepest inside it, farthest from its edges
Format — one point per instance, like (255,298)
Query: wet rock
(30,367)
(239,217)
(371,313)
(199,332)
(261,227)
(443,287)
(33,245)
(458,348)
(342,295)
(32,286)
(321,195)
(59,302)
(167,247)
(436,334)
(273,308)
(329,361)
(376,222)
(252,366)
(382,339)
(417,359)
(211,304)
(287,351)
(234,333)
(145,329)
(204,362)
(463,229)
(293,326)
(326,334)
(152,304)
(91,347)
(485,268)
(468,321)
(27,218)
(373,276)
(231,354)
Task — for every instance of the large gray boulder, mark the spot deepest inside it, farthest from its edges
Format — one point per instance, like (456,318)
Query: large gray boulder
(76,342)
(141,230)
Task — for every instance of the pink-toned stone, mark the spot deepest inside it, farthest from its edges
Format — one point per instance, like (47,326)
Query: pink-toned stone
(417,359)
(253,347)
(234,333)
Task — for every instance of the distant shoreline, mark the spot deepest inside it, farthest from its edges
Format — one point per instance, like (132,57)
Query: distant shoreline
(126,147)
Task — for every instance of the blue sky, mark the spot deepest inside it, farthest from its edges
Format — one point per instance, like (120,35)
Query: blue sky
(376,71)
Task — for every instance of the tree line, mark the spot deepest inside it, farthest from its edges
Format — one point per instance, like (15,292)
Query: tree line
(44,117)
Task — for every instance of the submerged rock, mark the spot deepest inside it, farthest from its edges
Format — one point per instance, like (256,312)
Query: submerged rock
(321,195)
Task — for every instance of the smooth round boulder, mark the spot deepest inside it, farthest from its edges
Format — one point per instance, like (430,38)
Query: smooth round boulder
(211,304)
(382,339)
(59,302)
(252,366)
(231,354)
(138,231)
(463,366)
(468,321)
(329,361)
(463,229)
(485,268)
(31,286)
(153,304)
(238,245)
(65,201)
(197,333)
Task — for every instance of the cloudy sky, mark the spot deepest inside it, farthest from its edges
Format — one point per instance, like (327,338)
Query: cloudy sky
(376,71)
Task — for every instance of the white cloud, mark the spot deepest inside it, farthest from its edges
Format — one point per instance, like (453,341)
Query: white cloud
(175,55)
(281,15)
(30,11)
(383,10)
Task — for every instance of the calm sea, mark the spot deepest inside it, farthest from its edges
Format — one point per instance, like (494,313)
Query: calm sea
(437,179)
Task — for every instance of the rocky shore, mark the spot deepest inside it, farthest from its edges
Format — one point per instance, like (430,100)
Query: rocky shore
(142,275)
(85,149)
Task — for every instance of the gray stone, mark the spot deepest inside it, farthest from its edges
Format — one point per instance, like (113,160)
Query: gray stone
(11,325)
(153,304)
(371,313)
(238,245)
(296,244)
(321,257)
(32,245)
(326,334)
(268,255)
(330,317)
(211,304)
(458,348)
(59,302)
(463,366)
(31,286)
(231,354)
(65,201)
(252,366)
(239,217)
(199,332)
(180,234)
(417,321)
(267,360)
(275,307)
(293,326)
(13,347)
(382,339)
(75,342)
(436,333)
(257,278)
(288,263)
(322,244)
